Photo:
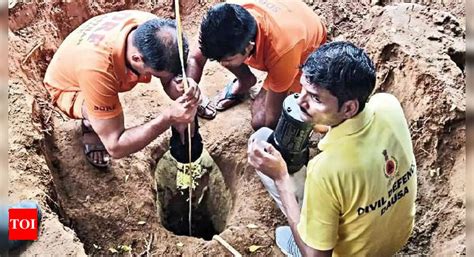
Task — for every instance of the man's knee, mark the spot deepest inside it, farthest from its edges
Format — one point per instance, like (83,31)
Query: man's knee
(71,104)
(260,135)
(258,121)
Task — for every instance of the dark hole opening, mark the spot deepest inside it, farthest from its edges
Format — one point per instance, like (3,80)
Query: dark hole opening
(458,57)
(211,199)
(176,217)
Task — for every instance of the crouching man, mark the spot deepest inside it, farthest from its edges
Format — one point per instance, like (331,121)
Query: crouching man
(359,192)
(110,54)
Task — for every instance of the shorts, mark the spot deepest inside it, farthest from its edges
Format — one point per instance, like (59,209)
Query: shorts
(68,101)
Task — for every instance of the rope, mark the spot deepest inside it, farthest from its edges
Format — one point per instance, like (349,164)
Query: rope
(186,86)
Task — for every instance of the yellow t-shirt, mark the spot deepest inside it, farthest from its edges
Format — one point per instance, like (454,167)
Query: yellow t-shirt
(360,190)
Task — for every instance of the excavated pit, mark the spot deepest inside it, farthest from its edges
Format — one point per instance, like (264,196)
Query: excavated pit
(124,206)
(211,199)
(129,205)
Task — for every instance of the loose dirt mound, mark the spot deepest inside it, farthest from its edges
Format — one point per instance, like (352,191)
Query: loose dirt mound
(419,54)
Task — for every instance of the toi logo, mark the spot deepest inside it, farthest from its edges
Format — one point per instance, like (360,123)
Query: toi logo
(22,224)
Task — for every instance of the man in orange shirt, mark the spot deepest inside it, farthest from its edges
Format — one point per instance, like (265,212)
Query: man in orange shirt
(109,54)
(275,36)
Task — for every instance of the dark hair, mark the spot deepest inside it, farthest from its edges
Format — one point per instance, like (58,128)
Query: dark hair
(157,42)
(226,30)
(343,69)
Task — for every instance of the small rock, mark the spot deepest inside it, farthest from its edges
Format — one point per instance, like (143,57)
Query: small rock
(440,19)
(434,38)
(376,2)
(434,172)
(339,38)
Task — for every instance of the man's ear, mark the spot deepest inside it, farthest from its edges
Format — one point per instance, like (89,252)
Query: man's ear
(250,47)
(350,108)
(137,58)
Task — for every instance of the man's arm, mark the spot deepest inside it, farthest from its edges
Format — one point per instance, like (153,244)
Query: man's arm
(196,63)
(273,107)
(282,76)
(292,211)
(265,158)
(121,142)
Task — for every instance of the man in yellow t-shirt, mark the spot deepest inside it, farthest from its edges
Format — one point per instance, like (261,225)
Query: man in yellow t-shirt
(360,191)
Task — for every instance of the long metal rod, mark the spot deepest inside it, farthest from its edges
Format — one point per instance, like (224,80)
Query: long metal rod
(186,86)
(227,245)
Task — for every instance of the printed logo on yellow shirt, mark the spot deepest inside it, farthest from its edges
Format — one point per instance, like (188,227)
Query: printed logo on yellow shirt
(391,166)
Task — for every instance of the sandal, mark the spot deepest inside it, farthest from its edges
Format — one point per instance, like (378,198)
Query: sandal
(229,97)
(206,110)
(91,148)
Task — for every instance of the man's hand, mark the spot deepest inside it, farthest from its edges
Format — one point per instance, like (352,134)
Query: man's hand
(175,87)
(184,108)
(266,159)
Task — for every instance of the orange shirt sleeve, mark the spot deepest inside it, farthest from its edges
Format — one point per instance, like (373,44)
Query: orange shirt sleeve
(100,94)
(281,76)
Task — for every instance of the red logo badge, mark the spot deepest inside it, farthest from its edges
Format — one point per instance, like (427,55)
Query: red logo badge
(390,168)
(22,224)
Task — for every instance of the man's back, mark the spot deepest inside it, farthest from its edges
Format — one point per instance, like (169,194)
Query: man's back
(95,45)
(288,31)
(362,185)
(92,60)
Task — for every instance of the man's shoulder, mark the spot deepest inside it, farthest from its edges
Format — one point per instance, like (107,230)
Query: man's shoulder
(384,101)
(388,112)
(330,164)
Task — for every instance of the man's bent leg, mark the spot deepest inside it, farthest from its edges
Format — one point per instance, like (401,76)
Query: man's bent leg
(286,242)
(69,102)
(94,149)
(297,180)
(258,110)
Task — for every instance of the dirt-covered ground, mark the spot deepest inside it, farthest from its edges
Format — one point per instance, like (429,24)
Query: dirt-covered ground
(419,52)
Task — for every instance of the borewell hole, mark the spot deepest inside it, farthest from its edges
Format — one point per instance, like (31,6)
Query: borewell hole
(211,199)
(176,218)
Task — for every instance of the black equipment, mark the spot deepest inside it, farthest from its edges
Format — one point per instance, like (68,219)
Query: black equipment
(291,135)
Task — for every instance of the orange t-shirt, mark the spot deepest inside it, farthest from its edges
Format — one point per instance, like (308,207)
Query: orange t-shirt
(288,32)
(92,60)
